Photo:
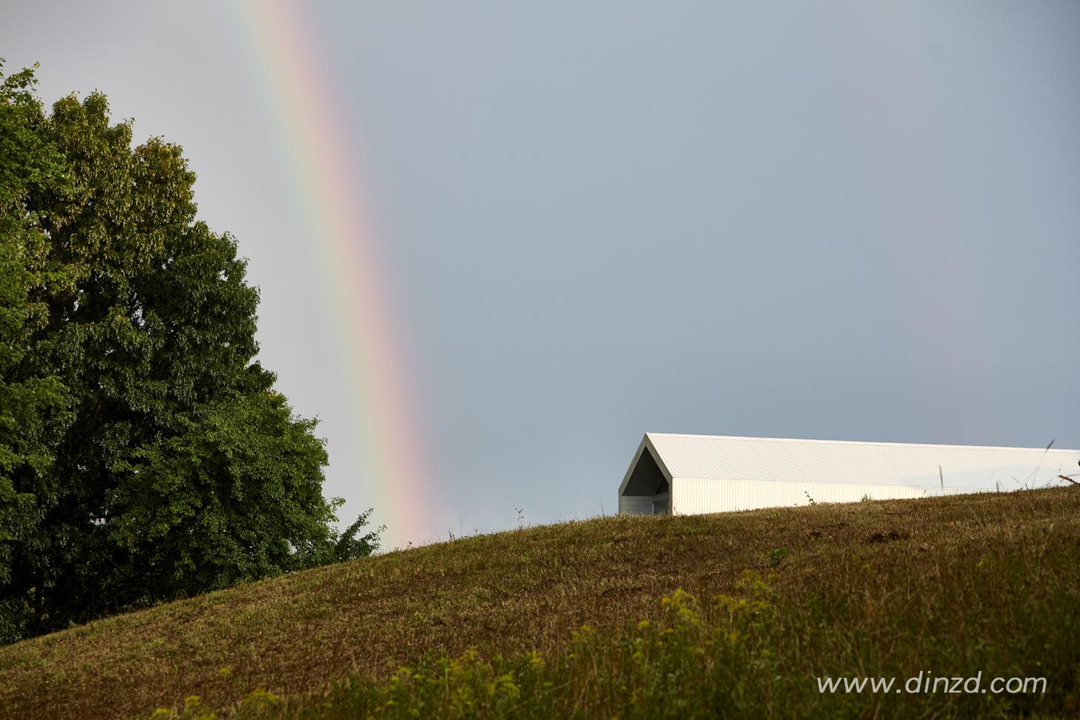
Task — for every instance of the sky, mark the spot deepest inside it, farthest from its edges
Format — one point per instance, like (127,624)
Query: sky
(498,242)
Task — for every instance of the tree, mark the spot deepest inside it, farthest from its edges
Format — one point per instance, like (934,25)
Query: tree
(181,470)
(32,403)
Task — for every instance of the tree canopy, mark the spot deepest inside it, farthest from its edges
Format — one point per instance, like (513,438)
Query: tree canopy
(144,453)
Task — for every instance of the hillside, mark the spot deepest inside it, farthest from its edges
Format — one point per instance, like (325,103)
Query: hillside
(951,586)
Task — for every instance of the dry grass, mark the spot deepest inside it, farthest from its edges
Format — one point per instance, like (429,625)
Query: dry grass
(530,589)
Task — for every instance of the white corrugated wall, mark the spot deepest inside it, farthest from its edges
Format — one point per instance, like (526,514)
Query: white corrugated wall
(693,496)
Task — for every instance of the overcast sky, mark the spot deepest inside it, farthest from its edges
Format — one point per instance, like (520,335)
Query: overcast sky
(831,220)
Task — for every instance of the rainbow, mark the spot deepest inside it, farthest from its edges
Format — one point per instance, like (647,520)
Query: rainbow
(329,197)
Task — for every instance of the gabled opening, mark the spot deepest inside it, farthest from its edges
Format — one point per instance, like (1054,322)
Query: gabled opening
(647,477)
(647,490)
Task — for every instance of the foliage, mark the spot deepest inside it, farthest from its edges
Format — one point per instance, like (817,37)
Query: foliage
(33,401)
(154,458)
(775,557)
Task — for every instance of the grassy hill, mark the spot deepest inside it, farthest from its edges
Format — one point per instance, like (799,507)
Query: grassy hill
(572,619)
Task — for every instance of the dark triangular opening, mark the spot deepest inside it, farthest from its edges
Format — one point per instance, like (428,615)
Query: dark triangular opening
(647,478)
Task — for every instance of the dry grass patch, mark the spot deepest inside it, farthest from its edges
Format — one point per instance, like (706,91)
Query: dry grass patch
(886,576)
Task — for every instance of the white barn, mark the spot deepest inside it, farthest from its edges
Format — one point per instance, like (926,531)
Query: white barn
(693,474)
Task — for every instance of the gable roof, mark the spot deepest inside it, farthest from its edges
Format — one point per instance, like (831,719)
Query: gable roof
(721,457)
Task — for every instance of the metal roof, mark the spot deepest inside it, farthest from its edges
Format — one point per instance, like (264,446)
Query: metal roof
(783,460)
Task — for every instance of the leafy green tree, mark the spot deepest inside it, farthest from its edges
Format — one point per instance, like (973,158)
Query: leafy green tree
(181,469)
(32,403)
